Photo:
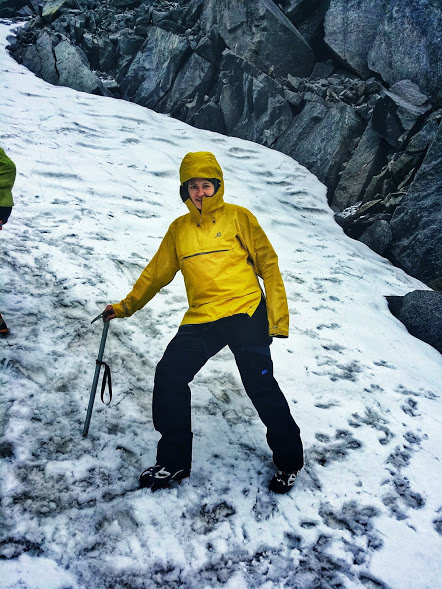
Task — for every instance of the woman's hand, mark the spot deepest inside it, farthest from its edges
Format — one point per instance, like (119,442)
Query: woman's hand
(108,314)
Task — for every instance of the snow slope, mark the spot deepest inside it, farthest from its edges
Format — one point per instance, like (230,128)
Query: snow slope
(97,188)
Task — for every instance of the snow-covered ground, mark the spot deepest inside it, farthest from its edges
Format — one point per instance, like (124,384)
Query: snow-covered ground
(97,187)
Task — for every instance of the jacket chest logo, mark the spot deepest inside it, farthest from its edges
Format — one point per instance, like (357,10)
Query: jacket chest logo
(218,234)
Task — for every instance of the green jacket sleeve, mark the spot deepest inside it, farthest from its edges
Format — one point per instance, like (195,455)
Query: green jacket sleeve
(159,272)
(7,179)
(265,262)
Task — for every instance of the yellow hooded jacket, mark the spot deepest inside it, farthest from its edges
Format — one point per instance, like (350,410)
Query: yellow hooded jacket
(220,252)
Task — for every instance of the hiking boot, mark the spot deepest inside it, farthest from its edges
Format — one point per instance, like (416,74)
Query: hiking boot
(283,481)
(158,477)
(3,327)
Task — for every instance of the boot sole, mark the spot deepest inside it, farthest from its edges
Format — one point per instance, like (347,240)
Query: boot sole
(155,487)
(177,480)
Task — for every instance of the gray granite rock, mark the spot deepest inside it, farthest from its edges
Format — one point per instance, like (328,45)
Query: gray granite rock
(250,30)
(422,138)
(320,137)
(210,117)
(351,27)
(396,39)
(421,313)
(154,68)
(58,62)
(252,103)
(189,88)
(73,72)
(408,45)
(51,9)
(417,222)
(365,162)
(394,116)
(377,237)
(39,58)
(11,8)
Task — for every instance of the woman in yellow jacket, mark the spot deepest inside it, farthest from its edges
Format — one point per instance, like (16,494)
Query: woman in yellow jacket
(221,250)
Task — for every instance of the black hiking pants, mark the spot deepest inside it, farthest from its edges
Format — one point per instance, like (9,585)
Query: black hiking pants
(4,214)
(186,354)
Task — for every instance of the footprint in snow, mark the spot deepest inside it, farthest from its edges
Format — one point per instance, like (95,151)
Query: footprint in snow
(374,420)
(332,450)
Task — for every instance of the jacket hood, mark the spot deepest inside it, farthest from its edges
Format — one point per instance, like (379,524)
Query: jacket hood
(202,164)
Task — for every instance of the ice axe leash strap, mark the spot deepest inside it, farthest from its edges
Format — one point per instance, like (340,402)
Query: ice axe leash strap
(106,380)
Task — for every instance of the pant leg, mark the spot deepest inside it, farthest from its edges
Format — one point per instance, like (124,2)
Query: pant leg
(4,214)
(249,343)
(283,435)
(185,355)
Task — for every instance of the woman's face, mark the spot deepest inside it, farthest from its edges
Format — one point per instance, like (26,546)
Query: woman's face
(200,188)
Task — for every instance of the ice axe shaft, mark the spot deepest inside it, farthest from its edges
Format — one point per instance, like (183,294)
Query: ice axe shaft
(96,377)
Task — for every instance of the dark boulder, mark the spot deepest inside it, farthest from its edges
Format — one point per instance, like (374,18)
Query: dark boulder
(252,104)
(296,10)
(377,237)
(397,112)
(90,48)
(128,45)
(210,117)
(421,313)
(100,52)
(398,40)
(365,162)
(169,20)
(73,72)
(211,47)
(308,18)
(39,58)
(154,68)
(355,220)
(410,94)
(11,8)
(192,14)
(351,27)
(187,93)
(408,45)
(320,138)
(422,138)
(52,9)
(125,4)
(417,221)
(54,59)
(250,30)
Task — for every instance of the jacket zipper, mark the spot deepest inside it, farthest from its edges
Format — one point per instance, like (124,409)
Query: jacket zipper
(203,254)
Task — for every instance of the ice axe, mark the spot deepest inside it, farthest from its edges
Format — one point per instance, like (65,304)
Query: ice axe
(106,378)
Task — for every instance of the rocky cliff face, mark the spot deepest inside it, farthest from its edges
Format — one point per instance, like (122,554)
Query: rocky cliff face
(351,89)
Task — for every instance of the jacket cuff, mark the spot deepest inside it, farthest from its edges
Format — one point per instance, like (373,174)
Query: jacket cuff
(120,310)
(279,332)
